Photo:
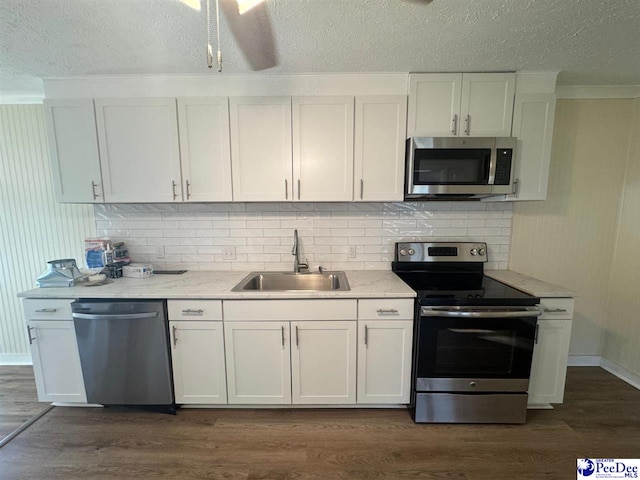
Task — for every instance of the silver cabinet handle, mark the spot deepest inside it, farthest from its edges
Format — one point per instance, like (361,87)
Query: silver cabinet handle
(467,121)
(173,186)
(536,337)
(516,187)
(286,189)
(282,336)
(387,311)
(188,189)
(189,311)
(47,310)
(366,335)
(454,126)
(175,335)
(297,343)
(298,189)
(361,189)
(555,310)
(93,189)
(31,339)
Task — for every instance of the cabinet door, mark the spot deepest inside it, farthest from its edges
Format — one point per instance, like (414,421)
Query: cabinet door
(323,362)
(73,147)
(549,364)
(205,152)
(261,148)
(138,140)
(258,362)
(323,148)
(533,118)
(197,351)
(487,104)
(384,361)
(434,104)
(380,133)
(56,361)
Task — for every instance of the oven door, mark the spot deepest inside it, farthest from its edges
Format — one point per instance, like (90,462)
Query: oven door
(475,349)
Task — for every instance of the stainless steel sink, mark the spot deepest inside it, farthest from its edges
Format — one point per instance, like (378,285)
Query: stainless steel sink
(289,281)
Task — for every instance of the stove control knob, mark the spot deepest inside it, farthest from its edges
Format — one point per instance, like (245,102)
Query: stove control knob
(411,251)
(403,252)
(474,251)
(472,384)
(482,252)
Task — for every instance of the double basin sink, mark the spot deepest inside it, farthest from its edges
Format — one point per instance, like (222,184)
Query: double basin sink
(290,281)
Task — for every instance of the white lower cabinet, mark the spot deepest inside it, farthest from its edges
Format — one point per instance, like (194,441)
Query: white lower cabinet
(384,361)
(56,361)
(551,352)
(258,362)
(323,362)
(197,351)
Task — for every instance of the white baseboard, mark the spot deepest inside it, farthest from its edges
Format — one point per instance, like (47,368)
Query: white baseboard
(584,361)
(15,359)
(622,373)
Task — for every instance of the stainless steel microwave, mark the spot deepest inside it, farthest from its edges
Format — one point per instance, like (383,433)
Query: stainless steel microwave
(459,168)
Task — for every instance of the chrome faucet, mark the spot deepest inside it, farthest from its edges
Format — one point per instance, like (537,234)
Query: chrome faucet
(295,251)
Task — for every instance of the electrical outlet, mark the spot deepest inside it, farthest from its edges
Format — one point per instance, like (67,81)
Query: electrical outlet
(160,252)
(229,253)
(351,253)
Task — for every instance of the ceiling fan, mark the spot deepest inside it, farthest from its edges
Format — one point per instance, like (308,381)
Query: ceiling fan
(250,25)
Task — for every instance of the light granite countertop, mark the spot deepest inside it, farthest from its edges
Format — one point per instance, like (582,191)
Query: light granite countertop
(529,285)
(218,285)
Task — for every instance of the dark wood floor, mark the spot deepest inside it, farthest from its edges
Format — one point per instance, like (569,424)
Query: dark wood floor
(600,418)
(18,398)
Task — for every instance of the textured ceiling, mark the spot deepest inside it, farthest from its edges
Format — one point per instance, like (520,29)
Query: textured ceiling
(590,41)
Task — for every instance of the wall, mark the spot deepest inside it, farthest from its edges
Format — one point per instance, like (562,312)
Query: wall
(622,337)
(260,235)
(33,227)
(569,239)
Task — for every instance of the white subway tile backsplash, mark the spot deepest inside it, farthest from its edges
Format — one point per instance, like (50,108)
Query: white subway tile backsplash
(195,235)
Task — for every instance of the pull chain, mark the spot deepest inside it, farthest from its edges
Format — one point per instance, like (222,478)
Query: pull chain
(209,47)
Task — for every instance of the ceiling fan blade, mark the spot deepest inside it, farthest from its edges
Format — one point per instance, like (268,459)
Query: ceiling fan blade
(253,34)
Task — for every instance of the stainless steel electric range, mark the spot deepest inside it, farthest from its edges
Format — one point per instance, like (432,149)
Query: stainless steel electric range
(473,336)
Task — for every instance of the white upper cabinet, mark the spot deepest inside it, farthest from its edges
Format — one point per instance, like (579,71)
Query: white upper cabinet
(205,151)
(533,119)
(261,148)
(434,104)
(323,148)
(139,153)
(380,133)
(73,147)
(456,104)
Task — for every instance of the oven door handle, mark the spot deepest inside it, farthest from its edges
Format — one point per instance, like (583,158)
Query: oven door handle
(477,313)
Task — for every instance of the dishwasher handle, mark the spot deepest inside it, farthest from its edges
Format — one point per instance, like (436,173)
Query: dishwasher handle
(125,316)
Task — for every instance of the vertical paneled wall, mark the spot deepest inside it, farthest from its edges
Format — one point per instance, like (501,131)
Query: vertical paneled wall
(569,239)
(33,227)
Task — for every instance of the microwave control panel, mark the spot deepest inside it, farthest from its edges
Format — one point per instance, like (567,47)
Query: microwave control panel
(503,166)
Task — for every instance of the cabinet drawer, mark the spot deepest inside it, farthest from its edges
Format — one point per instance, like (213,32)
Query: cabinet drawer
(195,309)
(47,309)
(556,308)
(385,308)
(245,310)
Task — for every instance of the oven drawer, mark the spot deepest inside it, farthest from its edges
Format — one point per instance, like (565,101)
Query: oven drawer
(471,408)
(385,309)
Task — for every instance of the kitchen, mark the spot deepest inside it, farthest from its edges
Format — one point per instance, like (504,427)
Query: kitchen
(533,238)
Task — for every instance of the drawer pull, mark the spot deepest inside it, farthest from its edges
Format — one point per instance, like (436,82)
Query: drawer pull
(387,311)
(47,310)
(175,335)
(555,310)
(31,339)
(189,311)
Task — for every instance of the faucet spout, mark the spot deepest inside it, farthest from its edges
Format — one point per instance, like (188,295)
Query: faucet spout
(295,251)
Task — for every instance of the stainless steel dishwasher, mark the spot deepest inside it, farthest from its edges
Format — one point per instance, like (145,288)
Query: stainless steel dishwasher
(124,352)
